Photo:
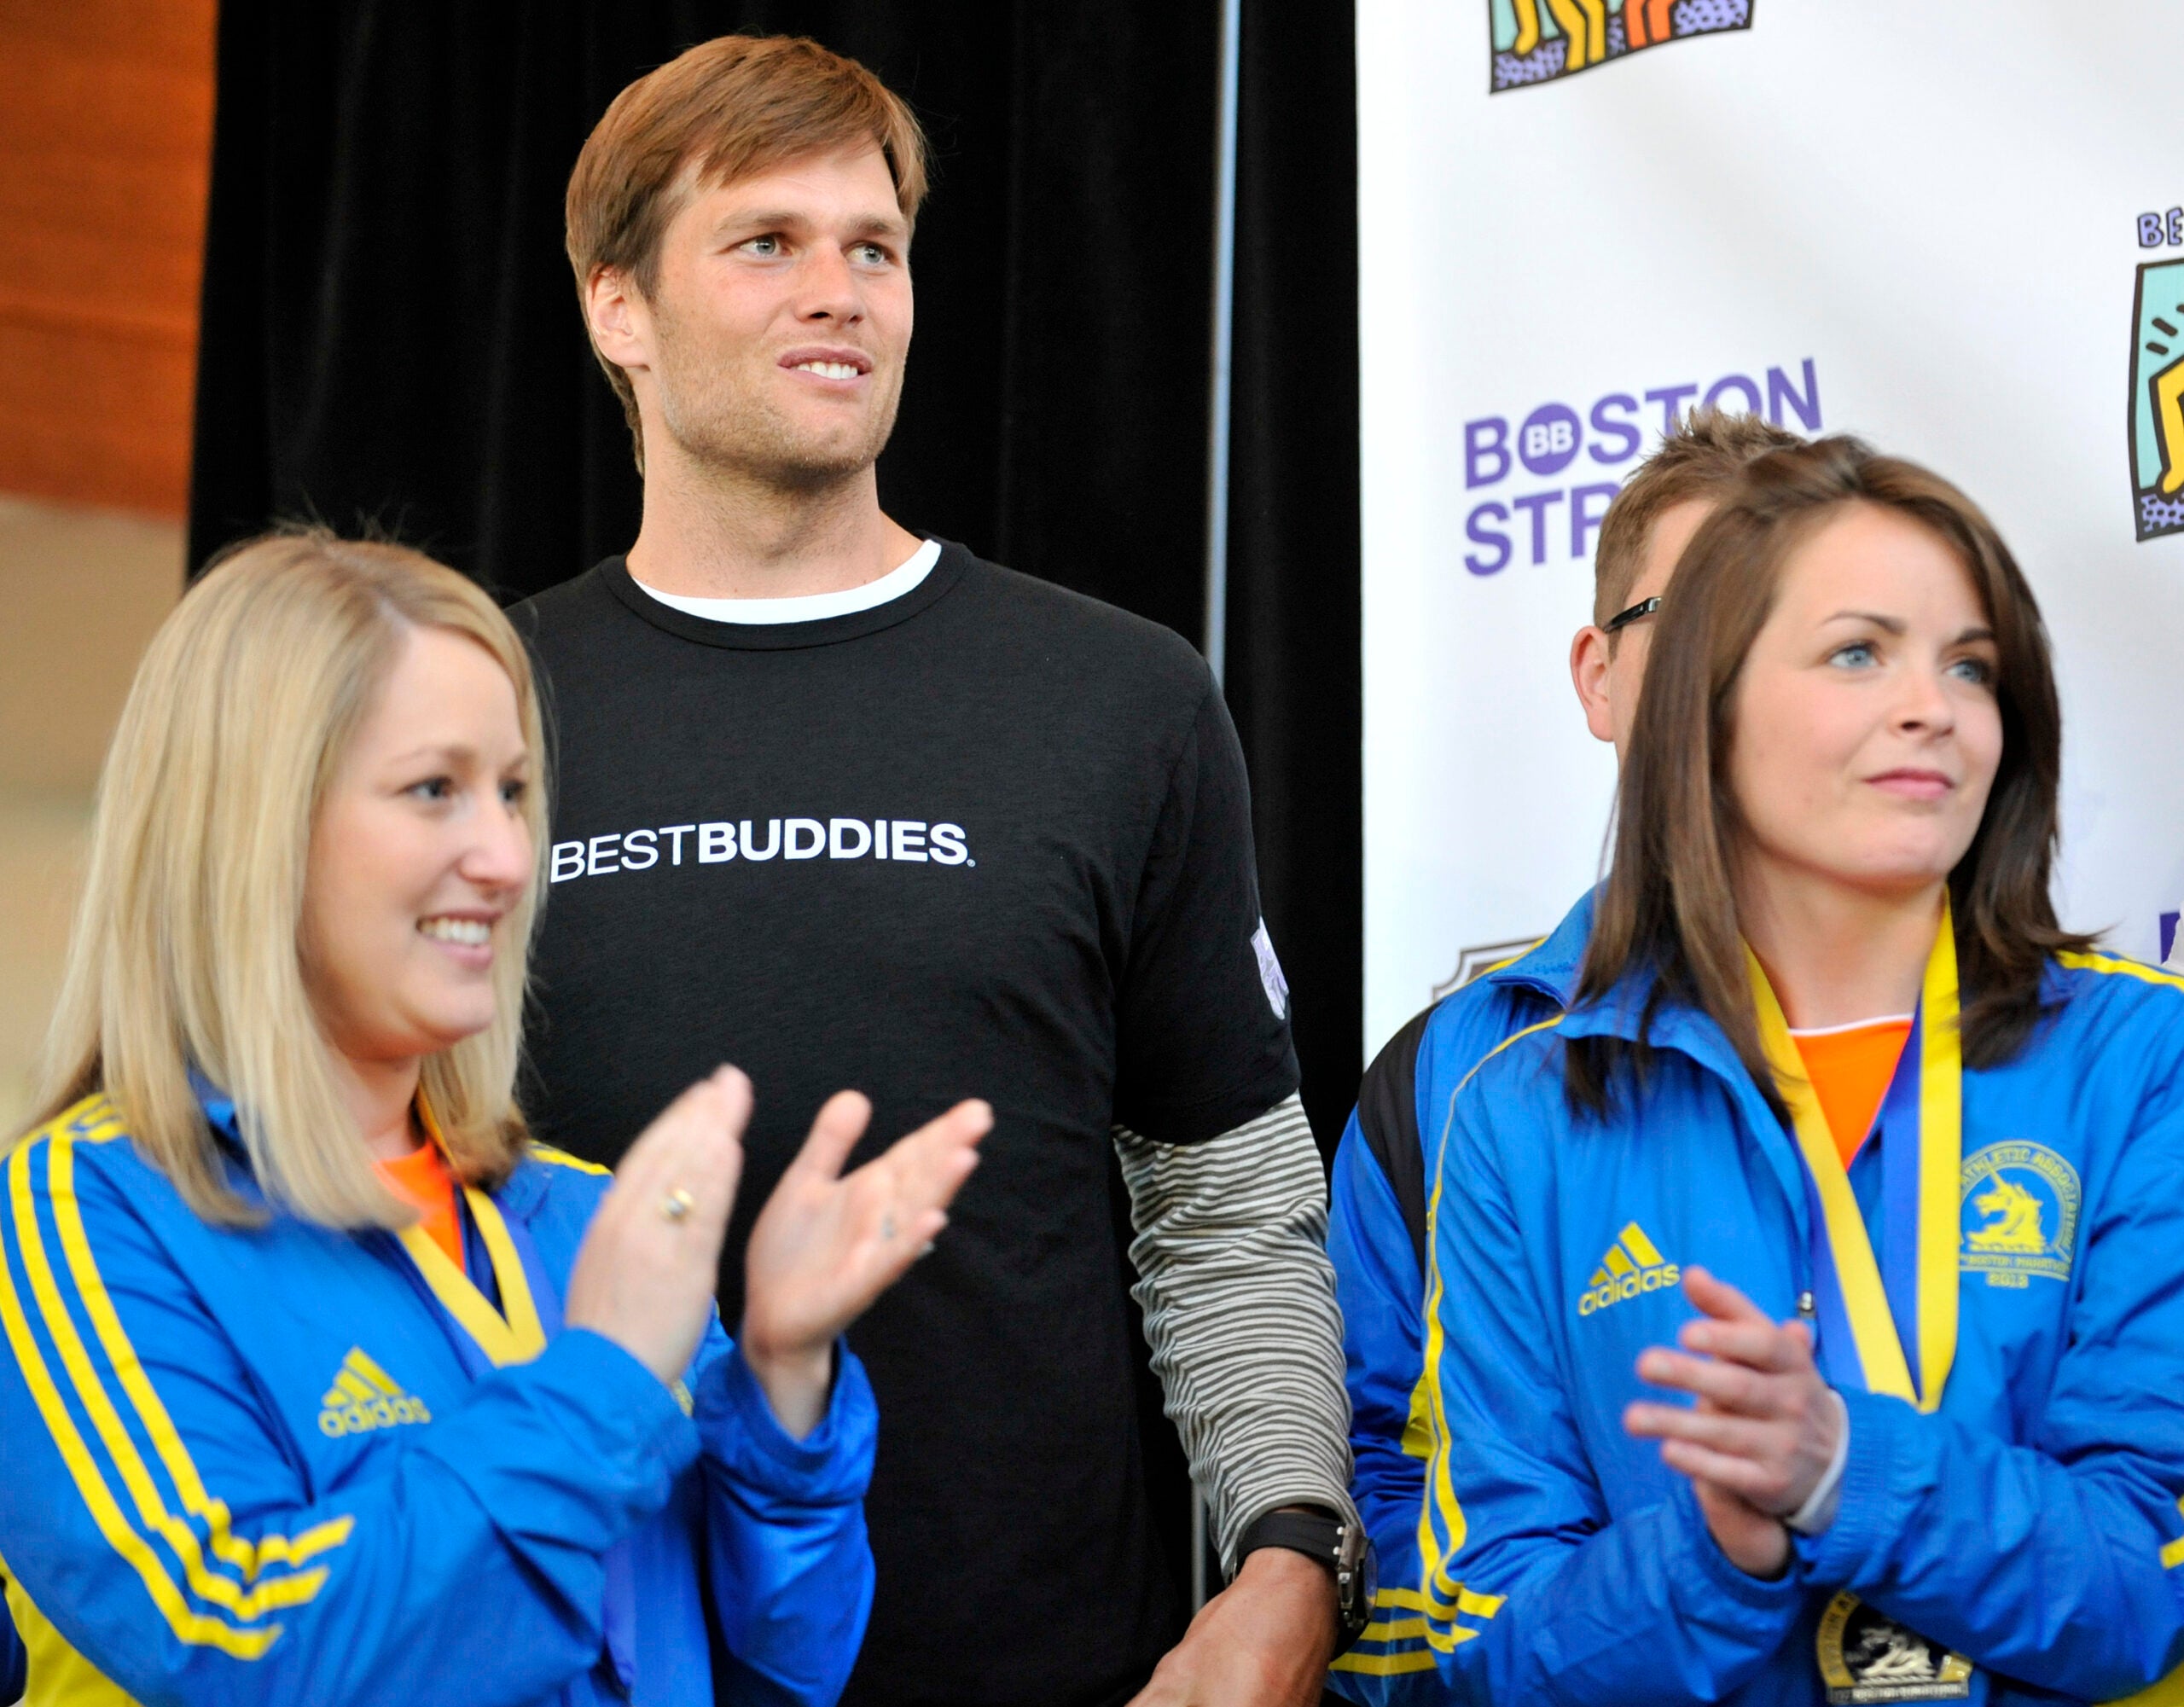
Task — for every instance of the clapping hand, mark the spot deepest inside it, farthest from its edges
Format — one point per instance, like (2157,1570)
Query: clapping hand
(826,1246)
(1764,1427)
(650,1261)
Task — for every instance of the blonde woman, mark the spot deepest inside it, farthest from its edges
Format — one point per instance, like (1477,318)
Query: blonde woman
(323,1385)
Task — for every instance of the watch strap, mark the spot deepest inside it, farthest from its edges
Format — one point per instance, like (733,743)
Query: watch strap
(1314,1533)
(1347,1554)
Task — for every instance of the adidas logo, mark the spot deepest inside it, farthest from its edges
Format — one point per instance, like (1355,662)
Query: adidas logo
(1631,1266)
(363,1397)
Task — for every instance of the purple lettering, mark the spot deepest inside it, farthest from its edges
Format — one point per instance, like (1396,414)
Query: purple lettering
(1487,536)
(1669,397)
(1549,438)
(1736,382)
(1603,422)
(1780,390)
(1476,450)
(1537,502)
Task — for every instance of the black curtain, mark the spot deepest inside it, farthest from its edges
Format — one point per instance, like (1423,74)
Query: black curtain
(1295,676)
(391,339)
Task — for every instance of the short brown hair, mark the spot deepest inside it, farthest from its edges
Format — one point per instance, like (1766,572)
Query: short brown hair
(1701,457)
(1667,908)
(726,109)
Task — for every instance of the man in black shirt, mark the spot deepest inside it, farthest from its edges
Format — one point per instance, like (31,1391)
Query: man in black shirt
(843,806)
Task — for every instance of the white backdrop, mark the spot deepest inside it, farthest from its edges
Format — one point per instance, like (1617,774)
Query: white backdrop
(1924,224)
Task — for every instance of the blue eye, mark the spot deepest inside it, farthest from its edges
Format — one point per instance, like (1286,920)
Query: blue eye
(765,247)
(1975,670)
(1855,655)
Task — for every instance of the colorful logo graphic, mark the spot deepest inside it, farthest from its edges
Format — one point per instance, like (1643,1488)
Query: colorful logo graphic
(2157,398)
(1537,41)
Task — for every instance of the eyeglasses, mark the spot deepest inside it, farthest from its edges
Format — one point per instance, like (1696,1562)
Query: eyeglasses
(1637,613)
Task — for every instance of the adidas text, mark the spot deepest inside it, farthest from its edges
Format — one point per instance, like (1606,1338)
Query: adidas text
(364,1397)
(1631,1267)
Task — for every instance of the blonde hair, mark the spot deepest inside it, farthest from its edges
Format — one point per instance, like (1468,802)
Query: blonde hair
(186,950)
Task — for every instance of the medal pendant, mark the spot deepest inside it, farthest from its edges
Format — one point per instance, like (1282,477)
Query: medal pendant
(1865,1656)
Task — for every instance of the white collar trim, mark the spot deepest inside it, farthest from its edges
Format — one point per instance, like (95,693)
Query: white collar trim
(810,607)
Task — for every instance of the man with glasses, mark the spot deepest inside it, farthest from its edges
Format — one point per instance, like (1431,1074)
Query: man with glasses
(1383,1171)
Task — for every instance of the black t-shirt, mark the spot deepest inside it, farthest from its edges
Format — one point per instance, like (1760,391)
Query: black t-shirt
(991,838)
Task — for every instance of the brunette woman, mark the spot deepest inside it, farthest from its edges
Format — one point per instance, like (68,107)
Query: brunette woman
(1806,1309)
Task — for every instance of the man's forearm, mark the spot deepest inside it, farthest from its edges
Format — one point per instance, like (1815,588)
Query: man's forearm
(1239,1310)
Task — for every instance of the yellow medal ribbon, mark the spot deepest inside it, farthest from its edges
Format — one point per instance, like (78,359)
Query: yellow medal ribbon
(511,1334)
(1939,1138)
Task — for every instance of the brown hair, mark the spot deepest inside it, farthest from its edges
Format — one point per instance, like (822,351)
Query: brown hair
(1701,457)
(726,109)
(1668,906)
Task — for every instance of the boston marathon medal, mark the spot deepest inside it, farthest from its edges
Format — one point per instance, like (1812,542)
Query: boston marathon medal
(1863,1295)
(1865,1656)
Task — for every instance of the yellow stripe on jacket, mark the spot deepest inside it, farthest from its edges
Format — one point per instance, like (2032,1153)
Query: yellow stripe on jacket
(1441,1596)
(191,1616)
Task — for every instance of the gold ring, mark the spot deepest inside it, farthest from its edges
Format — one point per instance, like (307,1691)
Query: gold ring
(677,1205)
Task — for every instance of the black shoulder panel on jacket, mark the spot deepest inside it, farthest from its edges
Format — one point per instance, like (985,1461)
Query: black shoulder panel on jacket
(1387,1114)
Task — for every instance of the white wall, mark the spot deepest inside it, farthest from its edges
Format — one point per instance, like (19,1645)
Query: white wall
(1937,207)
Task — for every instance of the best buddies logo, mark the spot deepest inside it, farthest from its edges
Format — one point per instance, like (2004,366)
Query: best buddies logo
(1573,448)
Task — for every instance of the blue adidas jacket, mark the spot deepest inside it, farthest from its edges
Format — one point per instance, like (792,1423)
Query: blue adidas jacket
(2033,1524)
(267,1465)
(1376,1237)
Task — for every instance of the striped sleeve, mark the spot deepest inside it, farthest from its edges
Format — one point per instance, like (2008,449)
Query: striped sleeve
(1239,1310)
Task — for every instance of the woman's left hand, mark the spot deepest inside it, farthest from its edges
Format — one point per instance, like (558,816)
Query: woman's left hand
(1764,1428)
(826,1246)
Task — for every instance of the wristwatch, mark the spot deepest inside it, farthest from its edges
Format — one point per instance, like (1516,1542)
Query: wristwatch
(1337,1543)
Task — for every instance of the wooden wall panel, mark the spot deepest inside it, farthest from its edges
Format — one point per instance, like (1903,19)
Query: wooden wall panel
(106,121)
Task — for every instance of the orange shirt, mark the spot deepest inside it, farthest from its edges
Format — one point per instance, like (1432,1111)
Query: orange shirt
(1850,1067)
(421,1179)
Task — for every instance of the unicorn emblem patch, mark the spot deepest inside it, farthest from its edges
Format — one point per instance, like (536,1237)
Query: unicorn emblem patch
(2020,1217)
